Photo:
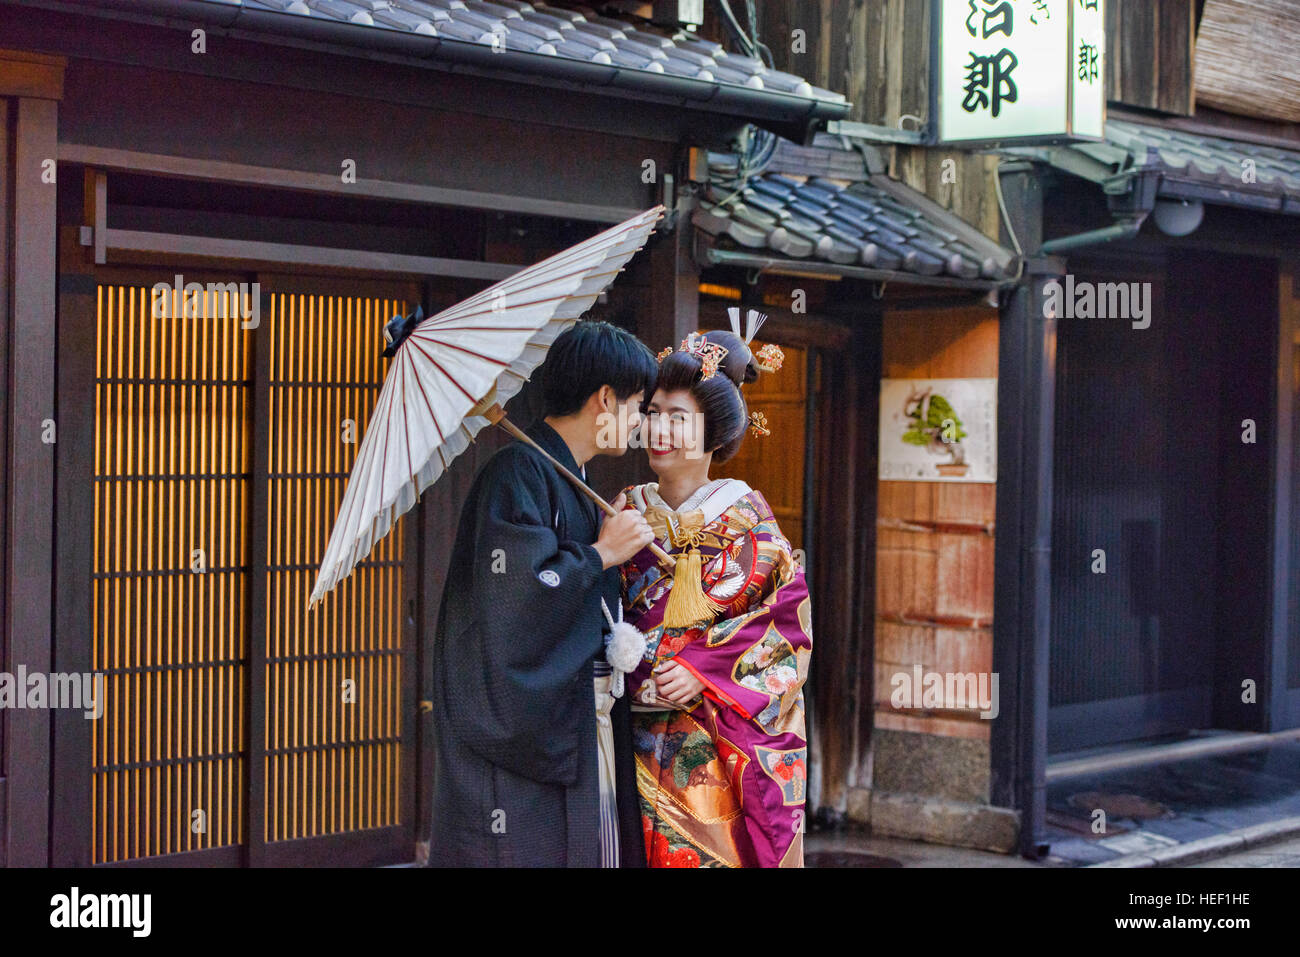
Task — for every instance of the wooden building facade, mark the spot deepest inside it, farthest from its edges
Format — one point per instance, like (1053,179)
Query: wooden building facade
(170,478)
(1168,449)
(174,462)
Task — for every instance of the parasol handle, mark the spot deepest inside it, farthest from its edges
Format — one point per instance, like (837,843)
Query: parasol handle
(495,413)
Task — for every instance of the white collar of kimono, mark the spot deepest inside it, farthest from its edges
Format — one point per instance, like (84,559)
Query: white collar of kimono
(712,498)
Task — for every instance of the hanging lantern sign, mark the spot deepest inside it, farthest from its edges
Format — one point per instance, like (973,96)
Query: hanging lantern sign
(1011,72)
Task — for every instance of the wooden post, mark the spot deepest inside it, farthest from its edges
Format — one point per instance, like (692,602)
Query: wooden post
(74,623)
(29,502)
(674,284)
(1022,551)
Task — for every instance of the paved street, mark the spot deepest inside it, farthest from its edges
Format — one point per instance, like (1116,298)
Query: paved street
(1158,806)
(853,849)
(1283,854)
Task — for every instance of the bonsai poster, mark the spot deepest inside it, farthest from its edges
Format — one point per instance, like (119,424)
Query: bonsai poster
(938,430)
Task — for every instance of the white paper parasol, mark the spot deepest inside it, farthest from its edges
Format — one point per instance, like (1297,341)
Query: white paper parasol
(451,375)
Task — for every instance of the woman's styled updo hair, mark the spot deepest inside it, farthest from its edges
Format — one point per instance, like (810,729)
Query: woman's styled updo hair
(726,416)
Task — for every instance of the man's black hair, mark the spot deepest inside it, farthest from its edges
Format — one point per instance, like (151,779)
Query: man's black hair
(592,354)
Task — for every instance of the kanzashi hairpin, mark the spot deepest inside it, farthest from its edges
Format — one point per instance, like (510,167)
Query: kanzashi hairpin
(710,354)
(664,353)
(758,424)
(770,357)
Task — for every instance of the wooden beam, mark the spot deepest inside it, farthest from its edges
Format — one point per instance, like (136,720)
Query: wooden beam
(23,73)
(230,251)
(183,167)
(100,222)
(1022,551)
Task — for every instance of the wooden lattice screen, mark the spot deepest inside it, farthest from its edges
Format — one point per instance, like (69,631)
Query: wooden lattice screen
(171,575)
(176,405)
(331,766)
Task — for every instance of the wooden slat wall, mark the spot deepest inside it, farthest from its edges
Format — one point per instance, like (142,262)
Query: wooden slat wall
(331,765)
(173,474)
(877,53)
(1150,60)
(942,577)
(969,191)
(171,465)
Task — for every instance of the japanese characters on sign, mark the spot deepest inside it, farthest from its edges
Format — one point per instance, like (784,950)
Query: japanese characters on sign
(1088,100)
(1020,69)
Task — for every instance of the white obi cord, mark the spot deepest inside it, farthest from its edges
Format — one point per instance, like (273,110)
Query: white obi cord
(624,647)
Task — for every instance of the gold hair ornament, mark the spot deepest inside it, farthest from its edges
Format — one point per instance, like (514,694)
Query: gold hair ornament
(758,424)
(710,354)
(770,357)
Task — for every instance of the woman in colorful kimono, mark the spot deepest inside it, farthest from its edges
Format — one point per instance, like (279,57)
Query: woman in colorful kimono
(717,701)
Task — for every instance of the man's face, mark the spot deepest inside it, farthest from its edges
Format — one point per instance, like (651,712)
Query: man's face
(620,426)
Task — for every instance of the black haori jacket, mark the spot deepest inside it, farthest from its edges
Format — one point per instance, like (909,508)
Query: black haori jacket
(515,780)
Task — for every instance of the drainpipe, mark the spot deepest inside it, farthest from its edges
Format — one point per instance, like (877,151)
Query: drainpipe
(1022,601)
(1022,609)
(1125,229)
(1131,197)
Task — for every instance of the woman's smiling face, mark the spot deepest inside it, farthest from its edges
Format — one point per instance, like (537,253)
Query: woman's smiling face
(675,430)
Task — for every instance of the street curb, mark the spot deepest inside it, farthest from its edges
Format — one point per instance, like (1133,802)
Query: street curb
(1216,845)
(1242,743)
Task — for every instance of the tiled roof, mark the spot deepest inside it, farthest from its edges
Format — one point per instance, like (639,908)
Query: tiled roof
(873,223)
(1211,159)
(572,33)
(1190,164)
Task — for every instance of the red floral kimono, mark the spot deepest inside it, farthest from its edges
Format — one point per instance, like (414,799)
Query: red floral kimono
(722,781)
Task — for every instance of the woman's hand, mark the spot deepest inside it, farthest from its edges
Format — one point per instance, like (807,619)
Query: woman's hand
(677,684)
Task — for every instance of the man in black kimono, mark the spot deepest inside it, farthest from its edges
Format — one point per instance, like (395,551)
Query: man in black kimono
(520,633)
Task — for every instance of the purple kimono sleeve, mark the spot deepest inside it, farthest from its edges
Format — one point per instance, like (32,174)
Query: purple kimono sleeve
(755,661)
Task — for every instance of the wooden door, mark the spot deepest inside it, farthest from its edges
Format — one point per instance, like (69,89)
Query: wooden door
(334,684)
(239,728)
(774,464)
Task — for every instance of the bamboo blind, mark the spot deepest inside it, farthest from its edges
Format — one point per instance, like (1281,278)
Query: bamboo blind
(332,765)
(1246,58)
(170,574)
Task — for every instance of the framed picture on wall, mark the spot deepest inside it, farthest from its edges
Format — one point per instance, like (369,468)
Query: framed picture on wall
(938,430)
